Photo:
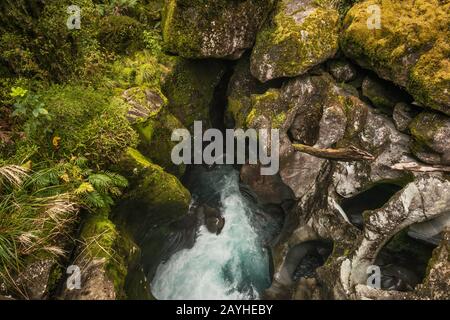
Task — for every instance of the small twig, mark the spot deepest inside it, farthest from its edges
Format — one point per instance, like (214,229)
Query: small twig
(341,154)
(416,167)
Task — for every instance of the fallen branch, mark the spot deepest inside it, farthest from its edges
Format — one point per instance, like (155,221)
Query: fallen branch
(416,167)
(341,154)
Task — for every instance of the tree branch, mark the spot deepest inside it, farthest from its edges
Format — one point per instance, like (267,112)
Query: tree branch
(416,167)
(341,154)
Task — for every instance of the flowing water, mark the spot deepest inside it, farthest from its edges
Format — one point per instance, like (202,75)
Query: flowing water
(231,265)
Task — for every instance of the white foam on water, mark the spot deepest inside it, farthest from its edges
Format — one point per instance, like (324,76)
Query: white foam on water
(231,265)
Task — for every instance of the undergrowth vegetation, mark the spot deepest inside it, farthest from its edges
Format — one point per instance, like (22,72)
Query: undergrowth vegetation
(63,121)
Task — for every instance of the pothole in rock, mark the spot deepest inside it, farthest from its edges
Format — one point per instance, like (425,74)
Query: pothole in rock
(403,262)
(371,199)
(303,259)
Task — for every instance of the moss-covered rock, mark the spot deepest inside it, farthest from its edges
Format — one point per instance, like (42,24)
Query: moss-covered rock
(120,34)
(240,88)
(267,109)
(411,48)
(214,28)
(155,197)
(155,140)
(190,90)
(431,132)
(299,35)
(381,93)
(103,257)
(152,210)
(143,103)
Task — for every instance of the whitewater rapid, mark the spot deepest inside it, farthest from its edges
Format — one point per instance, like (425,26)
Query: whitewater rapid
(231,265)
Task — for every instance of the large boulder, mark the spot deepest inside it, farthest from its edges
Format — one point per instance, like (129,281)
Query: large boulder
(412,51)
(154,211)
(212,29)
(298,36)
(103,258)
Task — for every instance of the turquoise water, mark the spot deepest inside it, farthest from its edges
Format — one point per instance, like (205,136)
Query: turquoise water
(231,265)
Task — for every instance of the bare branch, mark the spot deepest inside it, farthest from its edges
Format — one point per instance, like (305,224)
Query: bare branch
(417,167)
(341,154)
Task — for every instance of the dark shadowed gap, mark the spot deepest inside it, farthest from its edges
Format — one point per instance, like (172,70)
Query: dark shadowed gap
(372,199)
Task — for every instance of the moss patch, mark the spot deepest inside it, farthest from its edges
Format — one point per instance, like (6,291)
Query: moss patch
(411,48)
(297,38)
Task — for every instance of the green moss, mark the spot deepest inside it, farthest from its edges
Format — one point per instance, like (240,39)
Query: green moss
(425,126)
(102,240)
(156,141)
(269,105)
(410,30)
(42,44)
(285,47)
(120,34)
(155,197)
(156,187)
(190,90)
(145,69)
(88,123)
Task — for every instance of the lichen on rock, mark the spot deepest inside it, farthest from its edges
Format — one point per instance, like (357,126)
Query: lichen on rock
(431,132)
(298,36)
(212,29)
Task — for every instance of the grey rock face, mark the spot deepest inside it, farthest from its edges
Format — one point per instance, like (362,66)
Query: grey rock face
(212,29)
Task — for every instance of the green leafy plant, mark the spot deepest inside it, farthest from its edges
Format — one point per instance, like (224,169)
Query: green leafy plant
(38,209)
(29,107)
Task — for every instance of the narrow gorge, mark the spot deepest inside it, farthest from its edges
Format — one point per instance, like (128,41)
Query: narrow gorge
(359,92)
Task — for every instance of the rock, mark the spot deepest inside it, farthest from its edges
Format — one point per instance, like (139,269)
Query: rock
(298,36)
(96,285)
(190,90)
(155,140)
(425,198)
(342,70)
(403,116)
(213,29)
(269,189)
(34,280)
(437,280)
(307,289)
(211,218)
(155,195)
(431,132)
(413,52)
(381,93)
(430,231)
(240,88)
(154,211)
(103,258)
(380,137)
(142,103)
